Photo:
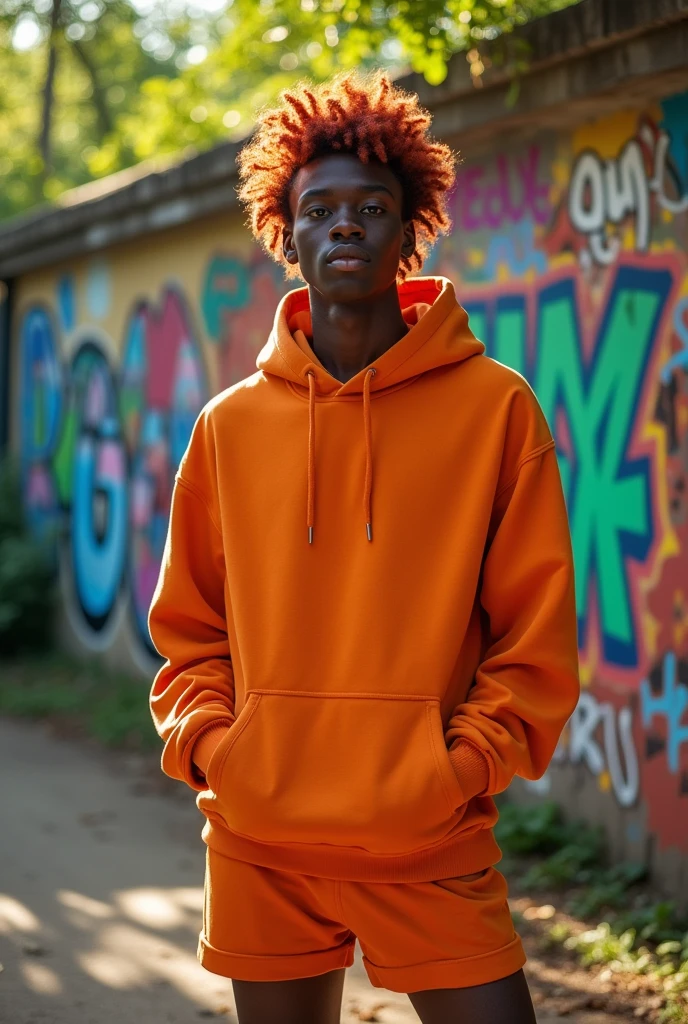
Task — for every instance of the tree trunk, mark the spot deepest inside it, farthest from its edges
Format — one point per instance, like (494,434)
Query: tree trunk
(102,109)
(49,90)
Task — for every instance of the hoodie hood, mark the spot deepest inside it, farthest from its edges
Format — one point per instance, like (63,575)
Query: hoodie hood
(439,335)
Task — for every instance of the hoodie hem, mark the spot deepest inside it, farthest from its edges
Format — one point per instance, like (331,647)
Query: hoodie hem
(460,855)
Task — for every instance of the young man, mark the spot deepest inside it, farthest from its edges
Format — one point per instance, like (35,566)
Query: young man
(366,603)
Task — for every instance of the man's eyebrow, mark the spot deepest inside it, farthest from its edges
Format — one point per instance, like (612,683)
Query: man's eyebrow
(318,193)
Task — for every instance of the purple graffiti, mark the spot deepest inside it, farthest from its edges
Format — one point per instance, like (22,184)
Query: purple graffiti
(513,191)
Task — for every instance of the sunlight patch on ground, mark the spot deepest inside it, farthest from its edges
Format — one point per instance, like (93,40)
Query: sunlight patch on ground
(15,917)
(160,908)
(84,904)
(40,978)
(128,957)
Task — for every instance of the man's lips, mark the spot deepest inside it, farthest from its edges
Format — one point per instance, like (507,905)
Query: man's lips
(348,257)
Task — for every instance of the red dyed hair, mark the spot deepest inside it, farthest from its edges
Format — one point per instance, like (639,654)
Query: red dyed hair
(366,116)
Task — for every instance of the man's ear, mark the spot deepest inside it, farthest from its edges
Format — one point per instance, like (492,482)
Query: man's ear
(408,245)
(288,246)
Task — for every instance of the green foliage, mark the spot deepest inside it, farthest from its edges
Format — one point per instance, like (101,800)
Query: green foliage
(570,851)
(636,948)
(607,888)
(638,937)
(103,55)
(111,707)
(541,828)
(157,78)
(655,922)
(622,952)
(573,863)
(11,514)
(26,584)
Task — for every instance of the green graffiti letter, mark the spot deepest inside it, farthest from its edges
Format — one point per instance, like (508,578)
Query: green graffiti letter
(608,495)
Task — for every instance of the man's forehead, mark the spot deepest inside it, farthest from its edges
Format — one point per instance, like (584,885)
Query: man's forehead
(326,175)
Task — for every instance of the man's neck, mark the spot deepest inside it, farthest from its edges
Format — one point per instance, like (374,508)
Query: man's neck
(349,336)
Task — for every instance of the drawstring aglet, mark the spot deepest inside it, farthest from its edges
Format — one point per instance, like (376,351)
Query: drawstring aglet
(369,531)
(311,531)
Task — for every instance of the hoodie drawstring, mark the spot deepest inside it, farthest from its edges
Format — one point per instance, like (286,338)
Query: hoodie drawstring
(368,436)
(310,512)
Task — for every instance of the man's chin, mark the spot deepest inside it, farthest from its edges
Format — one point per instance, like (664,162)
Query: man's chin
(350,287)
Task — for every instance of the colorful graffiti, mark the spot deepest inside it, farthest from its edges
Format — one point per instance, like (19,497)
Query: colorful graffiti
(162,388)
(102,436)
(570,259)
(513,190)
(590,394)
(99,448)
(238,303)
(570,256)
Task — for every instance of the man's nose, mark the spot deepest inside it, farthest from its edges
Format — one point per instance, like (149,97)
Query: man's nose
(346,227)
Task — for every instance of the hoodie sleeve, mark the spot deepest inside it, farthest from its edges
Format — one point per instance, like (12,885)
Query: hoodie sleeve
(192,698)
(526,685)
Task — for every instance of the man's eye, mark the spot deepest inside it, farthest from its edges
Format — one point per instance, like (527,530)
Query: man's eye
(374,208)
(318,212)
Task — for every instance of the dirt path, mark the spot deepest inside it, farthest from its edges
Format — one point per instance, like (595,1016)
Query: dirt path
(101,894)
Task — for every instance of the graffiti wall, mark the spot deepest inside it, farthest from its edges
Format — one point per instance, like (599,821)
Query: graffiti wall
(570,255)
(569,252)
(115,358)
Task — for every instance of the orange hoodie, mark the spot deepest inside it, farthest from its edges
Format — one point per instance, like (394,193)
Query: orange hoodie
(366,603)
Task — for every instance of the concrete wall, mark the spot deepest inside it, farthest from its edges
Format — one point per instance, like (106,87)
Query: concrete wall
(569,250)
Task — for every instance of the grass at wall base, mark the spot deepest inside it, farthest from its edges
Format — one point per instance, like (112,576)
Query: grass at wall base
(578,903)
(81,698)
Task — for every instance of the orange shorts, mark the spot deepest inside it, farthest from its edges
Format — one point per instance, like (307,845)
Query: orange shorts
(260,924)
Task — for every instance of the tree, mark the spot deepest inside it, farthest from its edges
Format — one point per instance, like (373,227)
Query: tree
(125,80)
(69,69)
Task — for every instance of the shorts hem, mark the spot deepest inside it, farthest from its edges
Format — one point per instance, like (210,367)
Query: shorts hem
(287,967)
(463,973)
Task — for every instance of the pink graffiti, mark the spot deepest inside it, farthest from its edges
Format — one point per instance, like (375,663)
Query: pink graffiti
(166,331)
(511,192)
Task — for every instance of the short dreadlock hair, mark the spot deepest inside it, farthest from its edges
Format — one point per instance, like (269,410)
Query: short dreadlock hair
(363,115)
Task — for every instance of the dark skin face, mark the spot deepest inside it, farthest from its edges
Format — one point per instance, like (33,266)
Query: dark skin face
(347,236)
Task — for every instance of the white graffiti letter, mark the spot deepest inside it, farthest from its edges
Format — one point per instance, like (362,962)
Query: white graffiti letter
(584,721)
(626,789)
(657,183)
(627,192)
(586,195)
(587,207)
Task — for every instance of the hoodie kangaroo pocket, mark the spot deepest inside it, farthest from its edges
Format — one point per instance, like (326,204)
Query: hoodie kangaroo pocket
(362,770)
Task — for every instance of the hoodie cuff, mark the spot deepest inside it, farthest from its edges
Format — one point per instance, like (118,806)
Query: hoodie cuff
(471,769)
(207,743)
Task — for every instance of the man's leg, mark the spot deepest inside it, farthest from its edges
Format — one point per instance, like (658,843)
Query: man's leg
(302,1001)
(494,1003)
